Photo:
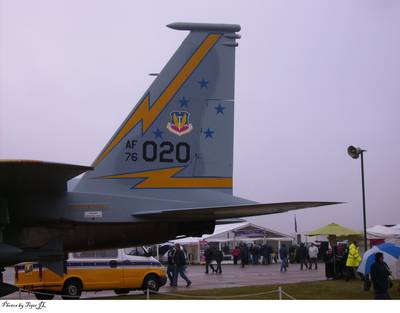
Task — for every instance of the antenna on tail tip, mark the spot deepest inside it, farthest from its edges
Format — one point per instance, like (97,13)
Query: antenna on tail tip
(205,27)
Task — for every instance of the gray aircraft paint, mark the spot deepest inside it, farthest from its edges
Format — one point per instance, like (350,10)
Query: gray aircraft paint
(42,219)
(211,154)
(210,157)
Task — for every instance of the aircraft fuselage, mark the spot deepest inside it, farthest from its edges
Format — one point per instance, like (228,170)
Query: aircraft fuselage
(47,224)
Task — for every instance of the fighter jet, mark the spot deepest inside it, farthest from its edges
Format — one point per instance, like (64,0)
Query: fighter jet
(166,172)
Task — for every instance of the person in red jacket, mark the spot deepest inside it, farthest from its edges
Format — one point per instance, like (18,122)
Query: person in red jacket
(236,254)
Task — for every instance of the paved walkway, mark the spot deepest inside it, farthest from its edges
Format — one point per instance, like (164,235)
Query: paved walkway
(235,276)
(232,276)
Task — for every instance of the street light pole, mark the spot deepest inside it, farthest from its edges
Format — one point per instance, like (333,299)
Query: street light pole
(355,153)
(363,198)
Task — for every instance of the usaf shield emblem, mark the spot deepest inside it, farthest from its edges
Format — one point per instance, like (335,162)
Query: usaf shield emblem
(179,123)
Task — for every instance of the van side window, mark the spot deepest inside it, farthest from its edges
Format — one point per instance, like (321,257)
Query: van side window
(84,255)
(106,254)
(99,254)
(137,251)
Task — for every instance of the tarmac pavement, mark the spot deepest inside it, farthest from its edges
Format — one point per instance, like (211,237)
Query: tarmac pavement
(232,276)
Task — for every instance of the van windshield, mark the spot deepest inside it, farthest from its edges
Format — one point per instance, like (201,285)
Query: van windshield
(137,251)
(99,254)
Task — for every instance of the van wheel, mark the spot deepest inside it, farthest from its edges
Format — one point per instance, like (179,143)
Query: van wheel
(121,291)
(151,282)
(72,289)
(41,296)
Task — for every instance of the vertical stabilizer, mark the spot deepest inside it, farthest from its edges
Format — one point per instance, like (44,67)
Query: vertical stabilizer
(180,133)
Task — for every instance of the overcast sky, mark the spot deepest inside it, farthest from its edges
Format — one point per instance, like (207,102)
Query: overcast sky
(312,77)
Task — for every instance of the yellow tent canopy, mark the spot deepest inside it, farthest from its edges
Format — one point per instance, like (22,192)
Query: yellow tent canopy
(335,230)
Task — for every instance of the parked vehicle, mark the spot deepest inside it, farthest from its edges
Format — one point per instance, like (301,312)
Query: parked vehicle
(121,270)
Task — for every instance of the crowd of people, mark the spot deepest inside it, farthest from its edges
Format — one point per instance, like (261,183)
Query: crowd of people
(253,254)
(346,259)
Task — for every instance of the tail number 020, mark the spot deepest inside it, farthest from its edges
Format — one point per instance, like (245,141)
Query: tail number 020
(164,152)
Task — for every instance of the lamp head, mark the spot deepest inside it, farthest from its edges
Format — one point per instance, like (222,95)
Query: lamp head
(354,152)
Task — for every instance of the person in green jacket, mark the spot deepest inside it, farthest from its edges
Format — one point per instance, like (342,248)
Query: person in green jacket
(353,260)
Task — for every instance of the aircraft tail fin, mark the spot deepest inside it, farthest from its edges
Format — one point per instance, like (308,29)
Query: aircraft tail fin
(180,134)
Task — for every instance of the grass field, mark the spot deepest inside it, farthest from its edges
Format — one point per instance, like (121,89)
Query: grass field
(321,290)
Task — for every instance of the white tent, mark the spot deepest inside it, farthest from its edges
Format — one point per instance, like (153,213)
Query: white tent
(397,227)
(233,233)
(388,233)
(218,232)
(236,231)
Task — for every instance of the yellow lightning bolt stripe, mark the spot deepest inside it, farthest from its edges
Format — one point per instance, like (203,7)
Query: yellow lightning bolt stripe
(164,178)
(148,115)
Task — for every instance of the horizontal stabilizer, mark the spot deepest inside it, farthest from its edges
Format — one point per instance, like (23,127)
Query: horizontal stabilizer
(22,176)
(227,212)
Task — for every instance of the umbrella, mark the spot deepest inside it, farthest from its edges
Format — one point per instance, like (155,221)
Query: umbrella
(391,255)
